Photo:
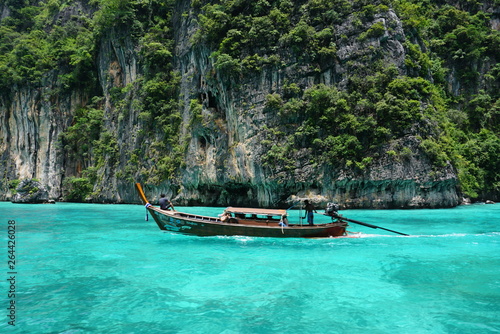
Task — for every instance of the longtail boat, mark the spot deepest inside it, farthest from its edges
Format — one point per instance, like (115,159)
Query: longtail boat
(240,222)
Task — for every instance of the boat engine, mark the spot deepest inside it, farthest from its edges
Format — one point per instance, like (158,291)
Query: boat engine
(332,209)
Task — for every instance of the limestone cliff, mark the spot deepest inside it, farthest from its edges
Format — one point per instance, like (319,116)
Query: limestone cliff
(32,120)
(223,161)
(213,144)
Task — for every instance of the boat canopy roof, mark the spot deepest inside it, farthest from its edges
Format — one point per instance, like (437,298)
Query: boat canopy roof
(253,211)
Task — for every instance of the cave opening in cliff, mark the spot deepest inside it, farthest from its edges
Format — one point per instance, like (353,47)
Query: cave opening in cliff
(203,142)
(212,101)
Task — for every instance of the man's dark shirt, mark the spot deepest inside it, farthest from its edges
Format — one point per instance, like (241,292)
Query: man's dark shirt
(164,203)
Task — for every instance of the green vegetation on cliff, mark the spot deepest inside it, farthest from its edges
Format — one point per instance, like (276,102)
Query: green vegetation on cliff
(445,92)
(381,103)
(61,38)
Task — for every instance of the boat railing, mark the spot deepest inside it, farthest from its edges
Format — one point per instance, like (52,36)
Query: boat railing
(197,217)
(187,215)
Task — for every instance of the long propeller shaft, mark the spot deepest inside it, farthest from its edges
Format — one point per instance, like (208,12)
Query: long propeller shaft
(369,225)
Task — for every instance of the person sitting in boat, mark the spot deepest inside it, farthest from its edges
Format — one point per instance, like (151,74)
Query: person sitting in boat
(309,212)
(225,217)
(165,203)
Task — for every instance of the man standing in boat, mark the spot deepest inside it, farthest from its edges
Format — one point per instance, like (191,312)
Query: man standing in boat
(309,212)
(165,203)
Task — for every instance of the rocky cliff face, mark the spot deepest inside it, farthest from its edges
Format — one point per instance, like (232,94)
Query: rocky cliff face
(32,120)
(223,150)
(223,161)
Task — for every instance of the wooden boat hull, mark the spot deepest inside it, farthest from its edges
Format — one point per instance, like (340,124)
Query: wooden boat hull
(208,226)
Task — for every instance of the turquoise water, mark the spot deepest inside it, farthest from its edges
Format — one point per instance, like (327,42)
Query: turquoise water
(87,268)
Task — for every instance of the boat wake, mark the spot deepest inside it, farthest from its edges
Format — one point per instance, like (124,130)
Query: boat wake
(446,235)
(361,235)
(460,235)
